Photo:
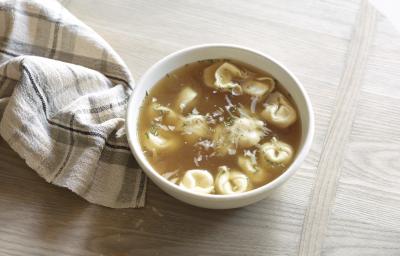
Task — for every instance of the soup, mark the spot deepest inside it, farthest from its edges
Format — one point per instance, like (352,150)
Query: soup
(219,127)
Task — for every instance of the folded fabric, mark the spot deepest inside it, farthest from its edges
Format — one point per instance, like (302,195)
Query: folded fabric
(63,96)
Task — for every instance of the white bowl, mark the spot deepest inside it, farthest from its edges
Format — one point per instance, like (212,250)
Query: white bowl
(219,51)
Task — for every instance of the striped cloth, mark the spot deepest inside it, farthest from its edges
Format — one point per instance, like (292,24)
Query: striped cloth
(63,96)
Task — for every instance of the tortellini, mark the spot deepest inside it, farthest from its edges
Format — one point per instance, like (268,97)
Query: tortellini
(244,132)
(278,111)
(186,99)
(193,127)
(224,77)
(249,131)
(199,181)
(157,142)
(166,115)
(251,168)
(230,181)
(276,153)
(259,89)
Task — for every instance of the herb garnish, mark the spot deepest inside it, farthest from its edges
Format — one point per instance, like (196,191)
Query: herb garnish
(154,130)
(229,121)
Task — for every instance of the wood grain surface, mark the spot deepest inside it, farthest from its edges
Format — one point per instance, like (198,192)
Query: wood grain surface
(345,199)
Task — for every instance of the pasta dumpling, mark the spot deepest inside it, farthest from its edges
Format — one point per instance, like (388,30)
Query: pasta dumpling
(166,115)
(244,132)
(230,181)
(278,111)
(249,131)
(186,99)
(159,143)
(276,153)
(199,181)
(250,167)
(259,89)
(224,77)
(193,127)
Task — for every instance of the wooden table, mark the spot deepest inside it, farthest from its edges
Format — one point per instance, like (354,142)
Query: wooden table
(345,200)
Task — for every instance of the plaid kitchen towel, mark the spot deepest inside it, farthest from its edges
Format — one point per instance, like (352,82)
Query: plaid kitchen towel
(63,96)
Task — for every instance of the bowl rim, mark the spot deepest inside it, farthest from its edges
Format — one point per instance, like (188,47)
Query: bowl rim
(153,174)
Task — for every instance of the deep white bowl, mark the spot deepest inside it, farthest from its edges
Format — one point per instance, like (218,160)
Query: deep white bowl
(219,51)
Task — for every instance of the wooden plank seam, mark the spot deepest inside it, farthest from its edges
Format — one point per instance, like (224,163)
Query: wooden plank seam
(329,167)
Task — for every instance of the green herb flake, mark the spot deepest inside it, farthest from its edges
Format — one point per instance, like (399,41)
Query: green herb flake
(153,130)
(234,110)
(229,122)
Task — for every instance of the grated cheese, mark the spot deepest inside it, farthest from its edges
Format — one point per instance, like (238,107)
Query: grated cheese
(210,119)
(195,111)
(169,175)
(251,155)
(228,101)
(195,161)
(263,78)
(206,144)
(217,113)
(253,104)
(231,151)
(163,127)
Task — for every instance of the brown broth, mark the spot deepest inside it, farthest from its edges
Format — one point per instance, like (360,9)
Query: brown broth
(166,91)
